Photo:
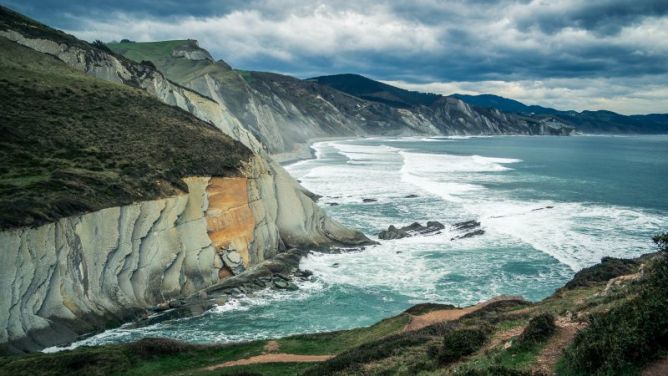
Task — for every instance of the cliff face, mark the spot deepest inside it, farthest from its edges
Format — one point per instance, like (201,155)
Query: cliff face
(284,113)
(101,268)
(87,271)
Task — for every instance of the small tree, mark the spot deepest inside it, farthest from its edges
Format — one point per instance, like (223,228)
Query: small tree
(662,241)
(101,46)
(148,63)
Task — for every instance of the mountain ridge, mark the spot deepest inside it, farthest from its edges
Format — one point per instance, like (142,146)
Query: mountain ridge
(595,121)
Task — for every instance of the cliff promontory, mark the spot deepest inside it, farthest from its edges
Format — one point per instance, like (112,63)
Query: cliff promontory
(120,190)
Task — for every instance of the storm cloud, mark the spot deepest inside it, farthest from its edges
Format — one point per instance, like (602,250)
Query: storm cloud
(598,54)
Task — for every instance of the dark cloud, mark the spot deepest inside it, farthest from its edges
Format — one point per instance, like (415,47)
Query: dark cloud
(604,17)
(601,42)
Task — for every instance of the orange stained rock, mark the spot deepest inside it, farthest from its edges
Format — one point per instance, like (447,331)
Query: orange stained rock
(230,221)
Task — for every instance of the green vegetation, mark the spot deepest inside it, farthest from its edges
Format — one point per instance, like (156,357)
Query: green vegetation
(539,330)
(628,336)
(145,357)
(462,342)
(335,342)
(147,50)
(73,144)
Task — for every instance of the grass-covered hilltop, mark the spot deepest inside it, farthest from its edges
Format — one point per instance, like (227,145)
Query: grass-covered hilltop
(72,143)
(610,319)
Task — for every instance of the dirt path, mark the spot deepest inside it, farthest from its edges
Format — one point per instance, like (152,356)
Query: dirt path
(549,356)
(272,358)
(433,317)
(503,337)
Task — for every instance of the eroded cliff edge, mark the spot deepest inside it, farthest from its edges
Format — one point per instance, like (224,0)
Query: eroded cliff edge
(96,260)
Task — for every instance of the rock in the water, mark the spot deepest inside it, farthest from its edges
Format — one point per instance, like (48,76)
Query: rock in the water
(333,203)
(413,229)
(281,284)
(411,196)
(466,225)
(304,273)
(369,200)
(393,233)
(469,234)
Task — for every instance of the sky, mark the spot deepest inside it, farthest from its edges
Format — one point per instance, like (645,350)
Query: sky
(566,54)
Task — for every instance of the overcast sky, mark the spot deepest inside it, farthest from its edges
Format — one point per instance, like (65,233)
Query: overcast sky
(568,54)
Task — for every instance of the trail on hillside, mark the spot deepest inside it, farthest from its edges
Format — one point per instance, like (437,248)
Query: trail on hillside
(272,358)
(433,317)
(548,357)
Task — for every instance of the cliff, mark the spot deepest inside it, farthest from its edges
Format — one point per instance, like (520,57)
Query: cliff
(123,190)
(285,112)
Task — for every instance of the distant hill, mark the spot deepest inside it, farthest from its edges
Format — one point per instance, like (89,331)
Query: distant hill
(366,88)
(503,104)
(586,121)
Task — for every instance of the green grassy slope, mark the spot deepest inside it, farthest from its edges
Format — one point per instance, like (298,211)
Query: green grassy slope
(73,144)
(178,69)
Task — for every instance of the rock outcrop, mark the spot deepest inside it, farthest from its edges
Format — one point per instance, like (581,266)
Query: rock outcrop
(413,229)
(469,228)
(90,271)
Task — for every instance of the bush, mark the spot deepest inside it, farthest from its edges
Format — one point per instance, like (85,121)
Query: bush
(540,328)
(351,360)
(101,46)
(628,336)
(148,63)
(460,343)
(155,347)
(661,241)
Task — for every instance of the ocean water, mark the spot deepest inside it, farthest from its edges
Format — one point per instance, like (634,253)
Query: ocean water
(549,207)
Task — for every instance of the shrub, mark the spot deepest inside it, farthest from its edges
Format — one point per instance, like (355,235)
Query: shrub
(148,63)
(101,46)
(155,347)
(351,360)
(460,343)
(540,328)
(661,241)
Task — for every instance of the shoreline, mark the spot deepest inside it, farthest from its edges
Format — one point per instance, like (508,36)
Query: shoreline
(306,151)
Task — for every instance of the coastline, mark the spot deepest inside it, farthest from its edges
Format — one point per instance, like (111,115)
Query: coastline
(305,151)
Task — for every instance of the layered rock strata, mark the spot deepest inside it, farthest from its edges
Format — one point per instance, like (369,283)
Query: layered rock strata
(96,270)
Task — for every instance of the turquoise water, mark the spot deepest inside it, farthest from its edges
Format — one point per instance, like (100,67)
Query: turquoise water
(608,196)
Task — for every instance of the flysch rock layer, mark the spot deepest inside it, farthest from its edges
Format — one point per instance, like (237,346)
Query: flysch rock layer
(97,270)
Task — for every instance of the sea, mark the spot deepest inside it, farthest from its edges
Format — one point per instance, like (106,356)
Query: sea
(549,206)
